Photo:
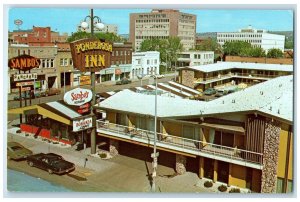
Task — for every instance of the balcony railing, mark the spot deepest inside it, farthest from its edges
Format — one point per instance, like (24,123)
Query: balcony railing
(182,143)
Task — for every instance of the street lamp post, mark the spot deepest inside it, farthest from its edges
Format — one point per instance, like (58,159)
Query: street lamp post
(155,156)
(99,25)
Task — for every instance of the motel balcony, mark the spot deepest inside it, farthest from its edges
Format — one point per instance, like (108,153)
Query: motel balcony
(183,145)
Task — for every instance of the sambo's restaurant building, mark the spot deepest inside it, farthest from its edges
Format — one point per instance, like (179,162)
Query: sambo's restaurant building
(67,121)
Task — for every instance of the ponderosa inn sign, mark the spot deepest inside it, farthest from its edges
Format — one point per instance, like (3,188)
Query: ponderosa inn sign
(91,55)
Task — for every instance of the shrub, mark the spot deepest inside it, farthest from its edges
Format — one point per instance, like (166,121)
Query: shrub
(222,188)
(18,131)
(103,155)
(235,190)
(208,184)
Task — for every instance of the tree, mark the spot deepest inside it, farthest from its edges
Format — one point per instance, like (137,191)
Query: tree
(173,47)
(208,45)
(236,48)
(110,37)
(275,53)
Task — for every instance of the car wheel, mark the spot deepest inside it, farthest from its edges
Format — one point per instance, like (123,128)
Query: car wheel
(50,171)
(30,163)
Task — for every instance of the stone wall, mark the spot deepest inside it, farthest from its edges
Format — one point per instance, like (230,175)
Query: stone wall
(113,147)
(180,164)
(270,154)
(188,78)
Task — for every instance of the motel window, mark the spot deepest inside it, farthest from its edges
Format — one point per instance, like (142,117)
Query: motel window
(121,52)
(148,62)
(65,61)
(113,53)
(117,53)
(279,188)
(155,61)
(289,186)
(70,61)
(51,62)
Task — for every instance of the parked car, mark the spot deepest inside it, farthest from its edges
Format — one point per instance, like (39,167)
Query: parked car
(50,91)
(17,151)
(160,76)
(220,93)
(51,162)
(123,81)
(210,91)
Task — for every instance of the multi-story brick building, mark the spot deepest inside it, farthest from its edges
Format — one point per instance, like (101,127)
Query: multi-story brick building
(46,72)
(37,36)
(162,24)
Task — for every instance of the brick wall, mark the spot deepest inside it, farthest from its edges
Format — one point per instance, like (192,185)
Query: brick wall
(288,61)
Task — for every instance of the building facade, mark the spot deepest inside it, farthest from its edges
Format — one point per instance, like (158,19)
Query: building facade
(46,72)
(230,73)
(37,36)
(145,63)
(257,38)
(237,140)
(194,58)
(162,24)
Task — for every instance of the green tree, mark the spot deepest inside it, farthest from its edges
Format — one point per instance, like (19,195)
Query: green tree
(173,47)
(208,45)
(110,37)
(275,53)
(236,48)
(78,35)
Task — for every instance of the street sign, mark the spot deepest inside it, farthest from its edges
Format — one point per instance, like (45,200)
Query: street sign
(23,77)
(26,83)
(152,155)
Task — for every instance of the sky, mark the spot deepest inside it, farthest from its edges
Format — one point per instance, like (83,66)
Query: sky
(208,20)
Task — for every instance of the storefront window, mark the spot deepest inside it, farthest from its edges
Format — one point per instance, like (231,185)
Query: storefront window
(289,186)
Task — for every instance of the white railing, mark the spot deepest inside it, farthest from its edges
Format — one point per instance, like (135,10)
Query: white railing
(185,143)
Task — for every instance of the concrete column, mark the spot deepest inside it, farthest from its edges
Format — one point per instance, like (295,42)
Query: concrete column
(201,167)
(270,157)
(215,178)
(180,164)
(114,147)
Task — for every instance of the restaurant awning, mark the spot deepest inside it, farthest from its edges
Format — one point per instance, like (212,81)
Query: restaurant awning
(53,110)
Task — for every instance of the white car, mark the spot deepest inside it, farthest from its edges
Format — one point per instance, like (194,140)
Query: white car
(160,76)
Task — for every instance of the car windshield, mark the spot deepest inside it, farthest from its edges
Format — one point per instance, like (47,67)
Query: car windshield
(15,148)
(55,159)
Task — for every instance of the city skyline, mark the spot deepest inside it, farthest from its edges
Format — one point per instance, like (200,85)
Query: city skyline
(207,20)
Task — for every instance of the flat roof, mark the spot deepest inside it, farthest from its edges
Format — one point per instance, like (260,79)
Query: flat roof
(240,65)
(273,97)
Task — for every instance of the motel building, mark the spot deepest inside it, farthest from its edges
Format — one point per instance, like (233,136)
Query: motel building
(223,74)
(244,139)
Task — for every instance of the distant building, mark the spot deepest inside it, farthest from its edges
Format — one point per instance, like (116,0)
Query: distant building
(37,36)
(194,58)
(145,63)
(257,38)
(162,24)
(108,28)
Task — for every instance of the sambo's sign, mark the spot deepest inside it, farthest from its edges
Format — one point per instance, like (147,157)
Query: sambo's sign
(78,96)
(82,124)
(91,55)
(24,62)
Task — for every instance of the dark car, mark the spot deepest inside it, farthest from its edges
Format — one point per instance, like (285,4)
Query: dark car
(51,162)
(123,81)
(51,91)
(210,91)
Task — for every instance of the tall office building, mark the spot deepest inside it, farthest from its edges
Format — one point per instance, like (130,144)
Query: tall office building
(162,24)
(257,38)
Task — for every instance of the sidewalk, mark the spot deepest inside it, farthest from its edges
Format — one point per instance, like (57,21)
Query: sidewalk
(119,174)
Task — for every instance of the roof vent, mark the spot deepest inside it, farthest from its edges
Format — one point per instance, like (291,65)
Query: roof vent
(278,111)
(233,101)
(280,85)
(223,102)
(261,92)
(270,108)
